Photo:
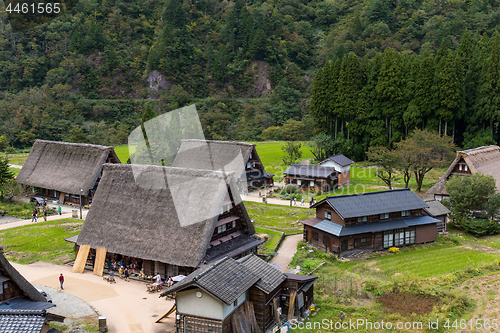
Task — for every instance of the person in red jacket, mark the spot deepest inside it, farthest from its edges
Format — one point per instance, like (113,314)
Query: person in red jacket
(61,281)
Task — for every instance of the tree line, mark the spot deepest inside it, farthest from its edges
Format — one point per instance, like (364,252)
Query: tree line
(380,101)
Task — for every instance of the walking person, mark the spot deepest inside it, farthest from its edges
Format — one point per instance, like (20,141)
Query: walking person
(311,202)
(302,202)
(61,281)
(127,274)
(59,209)
(295,201)
(45,215)
(34,216)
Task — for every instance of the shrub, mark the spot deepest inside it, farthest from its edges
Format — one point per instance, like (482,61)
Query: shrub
(394,250)
(481,227)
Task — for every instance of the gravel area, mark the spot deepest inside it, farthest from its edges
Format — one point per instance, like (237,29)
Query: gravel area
(67,305)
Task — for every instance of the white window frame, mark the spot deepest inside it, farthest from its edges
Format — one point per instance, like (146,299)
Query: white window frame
(328,215)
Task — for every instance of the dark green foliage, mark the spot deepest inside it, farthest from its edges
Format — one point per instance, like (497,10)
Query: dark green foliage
(5,174)
(292,153)
(480,227)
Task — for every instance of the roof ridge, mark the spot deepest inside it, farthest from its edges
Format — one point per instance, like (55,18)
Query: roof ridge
(88,145)
(222,142)
(203,273)
(367,193)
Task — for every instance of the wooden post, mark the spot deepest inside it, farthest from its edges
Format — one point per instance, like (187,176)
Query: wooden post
(100,257)
(81,259)
(291,308)
(276,314)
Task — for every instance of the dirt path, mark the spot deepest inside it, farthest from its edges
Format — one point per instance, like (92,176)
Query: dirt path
(16,166)
(127,305)
(287,251)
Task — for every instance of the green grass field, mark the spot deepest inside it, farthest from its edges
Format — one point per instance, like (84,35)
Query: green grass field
(273,239)
(41,241)
(279,218)
(430,262)
(15,171)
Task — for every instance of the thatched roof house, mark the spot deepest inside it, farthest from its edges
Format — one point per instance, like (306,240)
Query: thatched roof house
(485,160)
(177,217)
(60,169)
(238,157)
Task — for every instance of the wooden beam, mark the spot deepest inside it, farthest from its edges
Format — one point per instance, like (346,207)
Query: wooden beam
(276,314)
(100,257)
(291,308)
(172,310)
(81,259)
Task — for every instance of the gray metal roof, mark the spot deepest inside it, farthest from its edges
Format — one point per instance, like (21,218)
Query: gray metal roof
(270,277)
(226,280)
(373,203)
(310,171)
(339,230)
(436,208)
(341,160)
(22,321)
(20,303)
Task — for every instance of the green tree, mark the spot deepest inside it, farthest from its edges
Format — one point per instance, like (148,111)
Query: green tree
(468,194)
(4,143)
(321,146)
(386,161)
(5,175)
(292,152)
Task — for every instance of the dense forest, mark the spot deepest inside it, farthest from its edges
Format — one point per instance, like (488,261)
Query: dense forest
(86,76)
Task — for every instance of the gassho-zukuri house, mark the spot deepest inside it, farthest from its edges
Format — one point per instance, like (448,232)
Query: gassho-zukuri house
(167,220)
(61,170)
(227,156)
(240,296)
(485,160)
(349,224)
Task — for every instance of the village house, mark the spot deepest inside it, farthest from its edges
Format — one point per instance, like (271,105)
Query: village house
(342,165)
(437,210)
(485,160)
(237,296)
(63,171)
(165,220)
(373,221)
(22,307)
(312,177)
(238,157)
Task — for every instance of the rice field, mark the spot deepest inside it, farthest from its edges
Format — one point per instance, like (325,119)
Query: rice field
(431,262)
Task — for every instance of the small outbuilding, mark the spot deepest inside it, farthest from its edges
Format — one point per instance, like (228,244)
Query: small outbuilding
(63,171)
(312,177)
(438,211)
(342,165)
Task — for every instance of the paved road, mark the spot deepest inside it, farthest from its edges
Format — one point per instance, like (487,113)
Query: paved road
(286,253)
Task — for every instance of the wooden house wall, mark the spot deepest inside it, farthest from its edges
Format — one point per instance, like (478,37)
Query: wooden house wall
(376,218)
(325,240)
(9,290)
(188,323)
(441,225)
(320,213)
(262,304)
(426,233)
(344,177)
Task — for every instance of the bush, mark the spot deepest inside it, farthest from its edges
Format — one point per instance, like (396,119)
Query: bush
(394,250)
(481,227)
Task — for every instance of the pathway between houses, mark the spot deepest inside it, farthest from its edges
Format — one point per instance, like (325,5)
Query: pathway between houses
(286,253)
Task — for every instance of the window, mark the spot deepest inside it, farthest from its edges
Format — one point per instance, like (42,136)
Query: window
(384,216)
(460,167)
(399,237)
(405,213)
(362,219)
(233,224)
(299,182)
(362,242)
(410,237)
(328,215)
(221,228)
(311,183)
(248,165)
(388,239)
(465,167)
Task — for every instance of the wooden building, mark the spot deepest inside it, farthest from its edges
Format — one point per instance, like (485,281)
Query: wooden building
(312,177)
(63,171)
(238,157)
(22,307)
(438,211)
(342,165)
(485,160)
(236,296)
(348,224)
(170,219)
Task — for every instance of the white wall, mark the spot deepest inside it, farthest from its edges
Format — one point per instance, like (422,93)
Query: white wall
(229,308)
(206,306)
(330,163)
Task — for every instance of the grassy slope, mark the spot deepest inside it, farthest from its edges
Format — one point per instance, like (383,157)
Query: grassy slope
(273,239)
(280,218)
(41,241)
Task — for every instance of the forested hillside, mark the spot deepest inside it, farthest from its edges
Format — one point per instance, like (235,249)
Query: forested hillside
(248,66)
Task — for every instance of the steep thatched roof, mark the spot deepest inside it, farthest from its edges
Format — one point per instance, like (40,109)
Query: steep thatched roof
(157,213)
(65,167)
(485,160)
(27,288)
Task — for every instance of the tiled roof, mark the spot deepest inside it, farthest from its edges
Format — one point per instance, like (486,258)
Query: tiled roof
(341,160)
(270,277)
(242,242)
(338,230)
(309,171)
(226,280)
(373,203)
(436,208)
(22,321)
